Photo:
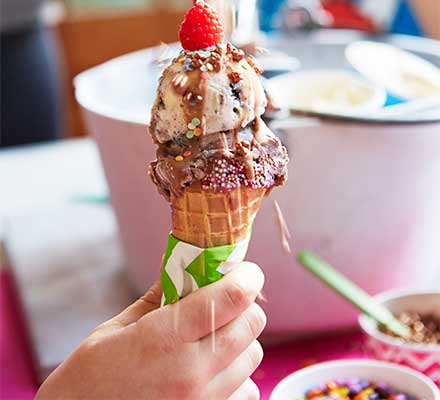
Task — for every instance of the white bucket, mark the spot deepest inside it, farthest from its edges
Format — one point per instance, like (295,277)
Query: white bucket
(365,197)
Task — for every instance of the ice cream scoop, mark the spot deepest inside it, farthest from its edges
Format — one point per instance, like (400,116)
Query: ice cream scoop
(252,157)
(218,85)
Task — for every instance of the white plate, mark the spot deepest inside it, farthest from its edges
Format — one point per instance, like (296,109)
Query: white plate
(402,73)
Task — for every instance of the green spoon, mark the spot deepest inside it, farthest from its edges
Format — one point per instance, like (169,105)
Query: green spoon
(353,293)
(89,198)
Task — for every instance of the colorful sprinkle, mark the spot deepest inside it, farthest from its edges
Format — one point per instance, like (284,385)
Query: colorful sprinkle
(425,328)
(227,174)
(331,385)
(204,54)
(187,153)
(195,121)
(190,134)
(178,158)
(197,131)
(204,68)
(314,393)
(204,75)
(191,126)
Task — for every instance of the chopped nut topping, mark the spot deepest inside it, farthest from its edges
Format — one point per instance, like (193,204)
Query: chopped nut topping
(251,61)
(235,77)
(243,148)
(246,144)
(196,63)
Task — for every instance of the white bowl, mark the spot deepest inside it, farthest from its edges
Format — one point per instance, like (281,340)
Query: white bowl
(401,378)
(327,91)
(401,72)
(422,357)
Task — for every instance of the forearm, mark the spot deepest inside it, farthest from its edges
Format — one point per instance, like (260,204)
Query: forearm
(428,13)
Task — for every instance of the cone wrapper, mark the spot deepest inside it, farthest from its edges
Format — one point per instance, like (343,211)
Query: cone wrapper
(187,268)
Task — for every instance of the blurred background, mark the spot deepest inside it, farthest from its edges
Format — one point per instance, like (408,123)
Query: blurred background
(355,86)
(46,43)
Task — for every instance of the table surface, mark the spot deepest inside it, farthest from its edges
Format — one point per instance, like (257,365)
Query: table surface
(30,181)
(19,382)
(19,379)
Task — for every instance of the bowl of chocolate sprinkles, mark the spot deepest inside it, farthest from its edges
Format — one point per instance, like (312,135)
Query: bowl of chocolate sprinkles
(420,311)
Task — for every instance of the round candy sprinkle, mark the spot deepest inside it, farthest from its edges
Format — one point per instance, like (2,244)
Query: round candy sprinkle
(204,68)
(197,131)
(204,75)
(190,134)
(195,121)
(331,385)
(314,393)
(191,126)
(187,153)
(178,158)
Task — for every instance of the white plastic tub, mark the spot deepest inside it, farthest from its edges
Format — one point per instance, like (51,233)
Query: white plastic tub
(365,197)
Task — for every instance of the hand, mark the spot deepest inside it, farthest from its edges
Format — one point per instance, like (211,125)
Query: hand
(203,347)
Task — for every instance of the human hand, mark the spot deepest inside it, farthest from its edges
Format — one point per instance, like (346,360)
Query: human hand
(202,347)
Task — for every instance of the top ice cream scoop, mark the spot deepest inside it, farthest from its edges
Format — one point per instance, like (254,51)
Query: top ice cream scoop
(218,85)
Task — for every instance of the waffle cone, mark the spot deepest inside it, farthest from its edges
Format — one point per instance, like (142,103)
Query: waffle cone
(207,218)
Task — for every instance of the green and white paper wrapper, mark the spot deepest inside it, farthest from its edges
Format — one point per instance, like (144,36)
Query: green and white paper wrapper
(187,268)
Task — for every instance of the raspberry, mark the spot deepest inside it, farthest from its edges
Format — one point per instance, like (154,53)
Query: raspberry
(201,28)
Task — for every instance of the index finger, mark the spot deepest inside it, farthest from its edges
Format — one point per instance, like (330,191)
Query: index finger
(213,306)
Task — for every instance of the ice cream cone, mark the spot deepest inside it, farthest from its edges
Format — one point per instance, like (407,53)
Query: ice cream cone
(206,218)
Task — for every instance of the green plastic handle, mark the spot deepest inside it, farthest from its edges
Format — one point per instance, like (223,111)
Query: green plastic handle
(353,293)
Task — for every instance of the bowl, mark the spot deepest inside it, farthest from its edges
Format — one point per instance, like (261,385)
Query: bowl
(404,74)
(327,91)
(402,378)
(422,357)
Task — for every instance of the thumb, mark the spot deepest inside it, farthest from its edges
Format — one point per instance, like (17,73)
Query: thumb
(144,305)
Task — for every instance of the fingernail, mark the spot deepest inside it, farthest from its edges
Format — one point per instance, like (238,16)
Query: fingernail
(249,276)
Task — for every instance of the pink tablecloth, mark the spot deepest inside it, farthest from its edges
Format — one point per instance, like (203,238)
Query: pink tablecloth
(18,380)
